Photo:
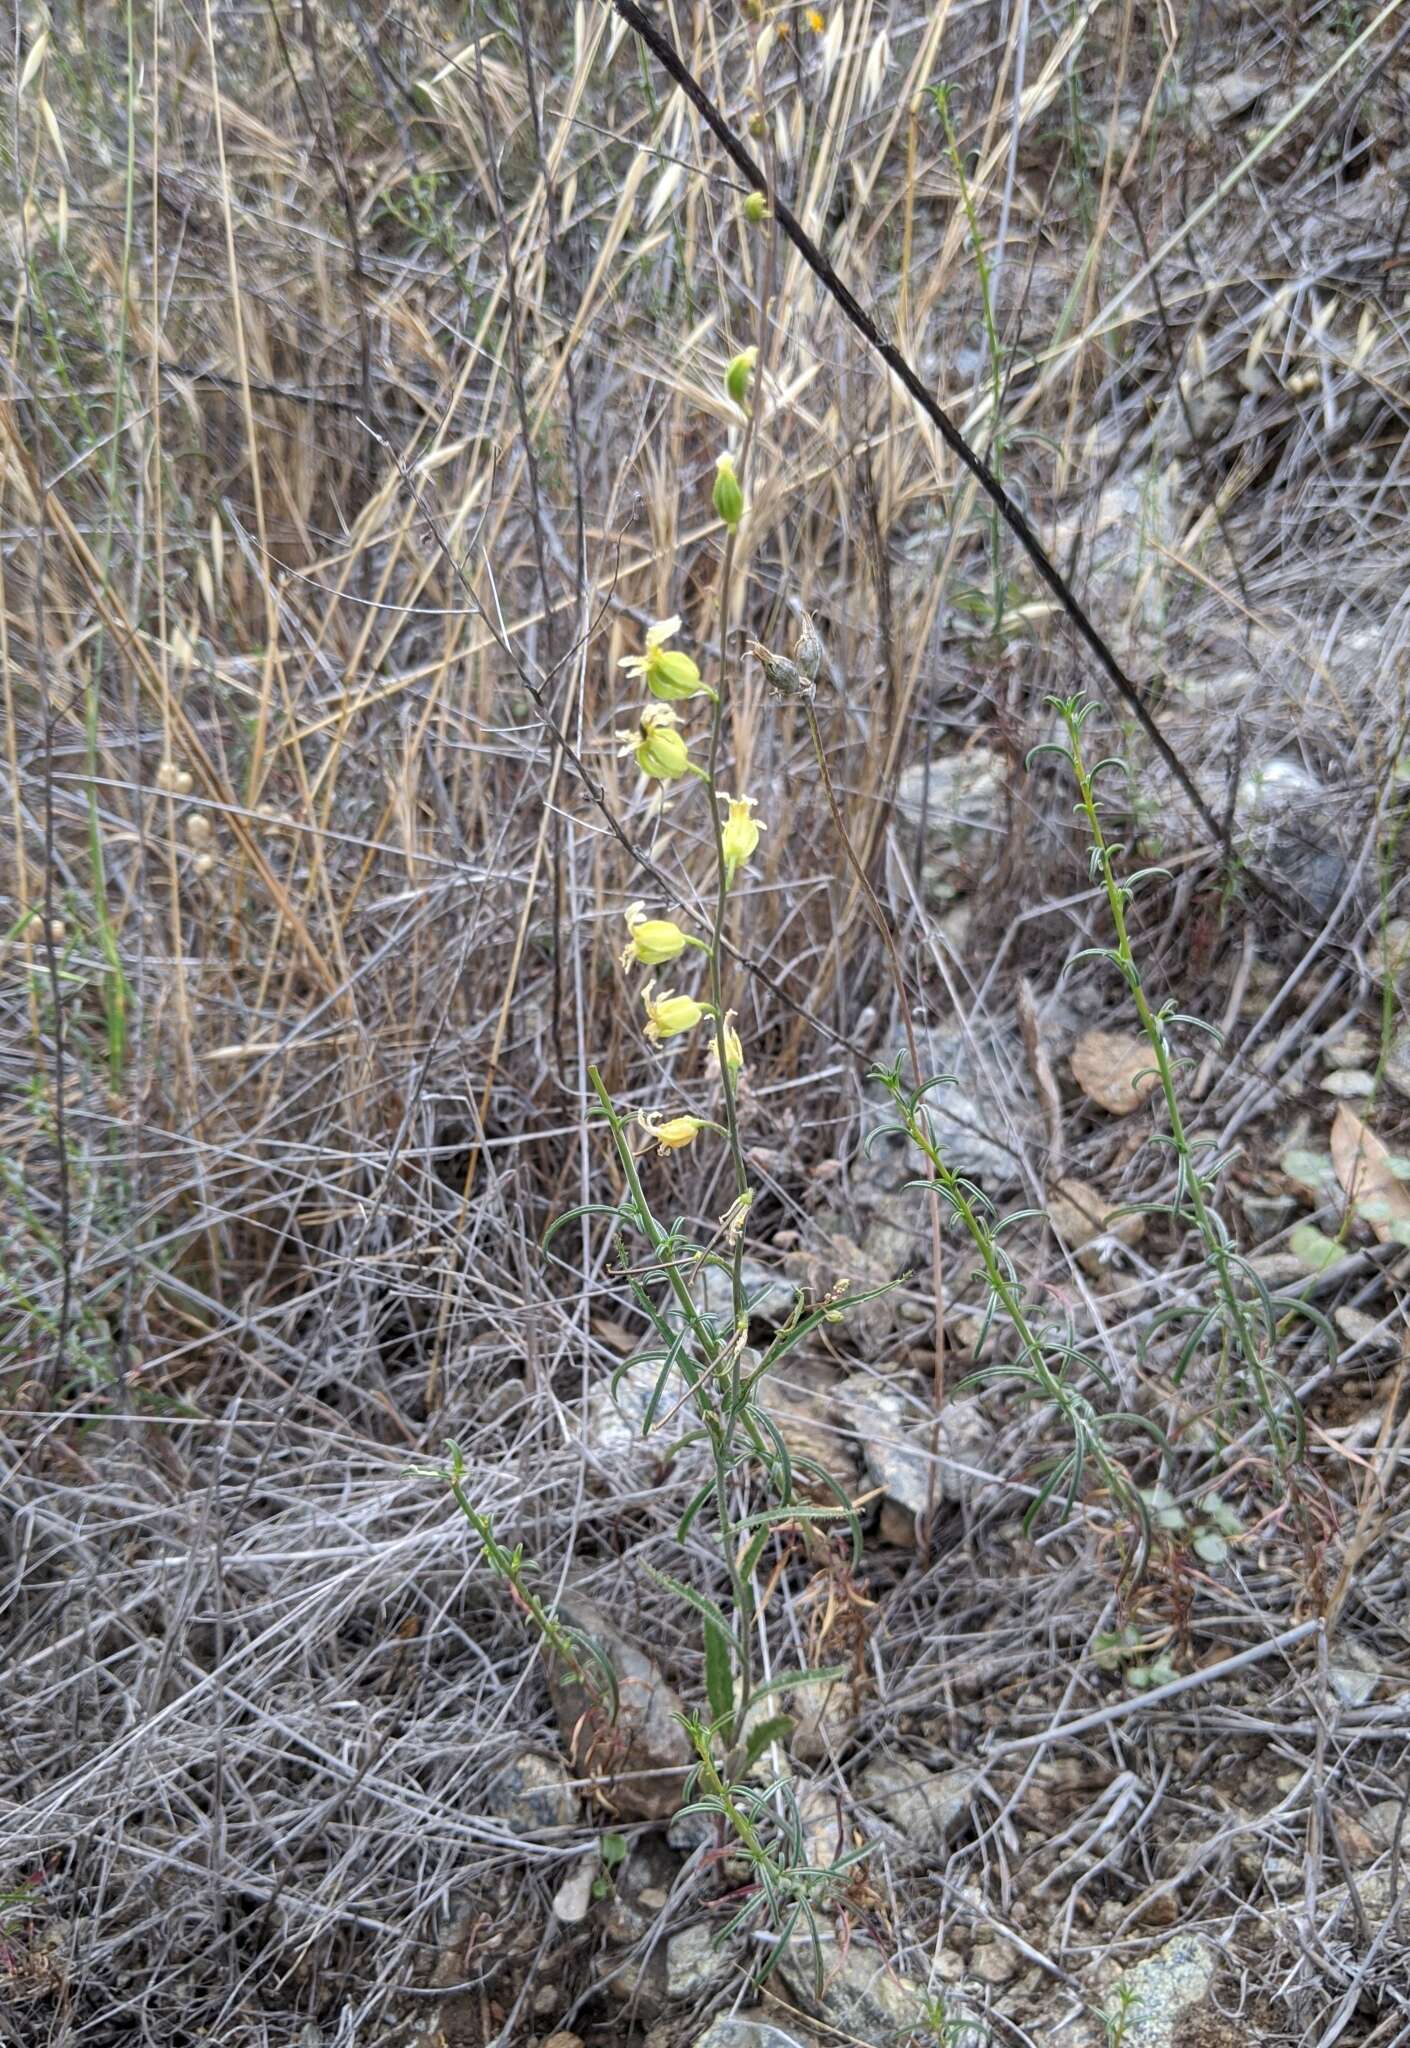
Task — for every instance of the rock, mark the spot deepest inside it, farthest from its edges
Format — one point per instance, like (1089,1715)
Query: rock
(1397,1067)
(694,1963)
(1353,1674)
(641,1888)
(646,1754)
(896,1526)
(572,1902)
(1282,810)
(626,1922)
(614,1418)
(1114,1069)
(1279,1269)
(901,1446)
(896,1238)
(1227,98)
(533,1792)
(752,2029)
(928,1807)
(1348,1083)
(826,1715)
(563,2039)
(686,1832)
(770,1297)
(641,1984)
(967,1117)
(955,806)
(825,1831)
(995,1962)
(861,1995)
(1268,1214)
(1121,535)
(1081,1219)
(1355,1048)
(836,1259)
(1359,1328)
(1377,1898)
(1162,2001)
(802,1421)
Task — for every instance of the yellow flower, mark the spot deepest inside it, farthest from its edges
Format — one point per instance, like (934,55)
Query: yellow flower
(654,940)
(733,1045)
(728,497)
(668,1013)
(675,1134)
(740,834)
(656,746)
(667,672)
(814,19)
(738,372)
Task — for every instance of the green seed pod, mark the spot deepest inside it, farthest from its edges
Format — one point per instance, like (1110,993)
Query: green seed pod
(737,375)
(728,497)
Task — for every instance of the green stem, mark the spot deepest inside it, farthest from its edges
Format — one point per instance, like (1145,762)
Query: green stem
(1191,1183)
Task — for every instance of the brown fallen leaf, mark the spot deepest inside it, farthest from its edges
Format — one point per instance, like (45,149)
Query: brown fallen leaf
(1114,1069)
(1362,1165)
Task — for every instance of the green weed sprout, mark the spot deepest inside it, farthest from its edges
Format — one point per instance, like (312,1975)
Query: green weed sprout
(1243,1320)
(1049,1363)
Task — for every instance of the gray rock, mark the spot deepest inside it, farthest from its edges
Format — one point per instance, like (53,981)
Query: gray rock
(1285,819)
(1353,1673)
(572,1902)
(752,2029)
(928,1807)
(826,1715)
(646,1753)
(968,1116)
(995,1962)
(615,1418)
(801,1419)
(1160,1998)
(693,1963)
(688,1831)
(1228,98)
(862,1995)
(769,1295)
(958,805)
(825,1831)
(897,1235)
(533,1792)
(901,1446)
(1376,1897)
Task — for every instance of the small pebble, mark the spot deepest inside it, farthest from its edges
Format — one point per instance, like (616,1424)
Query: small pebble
(1347,1083)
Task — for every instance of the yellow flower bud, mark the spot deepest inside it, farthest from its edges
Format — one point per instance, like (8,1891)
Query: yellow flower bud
(654,940)
(667,672)
(738,373)
(740,834)
(755,209)
(675,1134)
(656,746)
(668,1013)
(728,497)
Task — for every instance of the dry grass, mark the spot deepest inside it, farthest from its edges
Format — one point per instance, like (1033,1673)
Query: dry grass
(325,523)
